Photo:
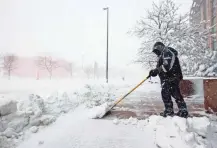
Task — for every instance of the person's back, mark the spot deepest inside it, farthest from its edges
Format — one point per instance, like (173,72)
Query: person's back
(174,71)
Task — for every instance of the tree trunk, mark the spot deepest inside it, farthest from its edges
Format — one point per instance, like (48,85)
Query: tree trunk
(9,75)
(50,75)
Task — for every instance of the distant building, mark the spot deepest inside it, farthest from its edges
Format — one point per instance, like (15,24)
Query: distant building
(205,11)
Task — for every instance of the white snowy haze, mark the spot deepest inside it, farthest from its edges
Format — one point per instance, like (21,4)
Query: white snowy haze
(56,113)
(73,29)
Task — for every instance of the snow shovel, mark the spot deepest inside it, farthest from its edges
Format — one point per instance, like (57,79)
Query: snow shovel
(119,100)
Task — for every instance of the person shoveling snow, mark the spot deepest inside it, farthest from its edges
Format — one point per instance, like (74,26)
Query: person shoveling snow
(169,70)
(170,73)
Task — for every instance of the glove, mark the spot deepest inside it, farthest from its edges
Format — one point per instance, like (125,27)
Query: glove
(153,72)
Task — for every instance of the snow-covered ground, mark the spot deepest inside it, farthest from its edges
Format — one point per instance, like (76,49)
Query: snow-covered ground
(77,130)
(57,113)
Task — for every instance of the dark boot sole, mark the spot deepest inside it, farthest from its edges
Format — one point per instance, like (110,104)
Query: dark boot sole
(167,115)
(176,116)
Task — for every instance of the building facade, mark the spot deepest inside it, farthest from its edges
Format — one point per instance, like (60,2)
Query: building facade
(205,11)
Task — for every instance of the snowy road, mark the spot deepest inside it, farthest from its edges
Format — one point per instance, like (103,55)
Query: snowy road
(75,130)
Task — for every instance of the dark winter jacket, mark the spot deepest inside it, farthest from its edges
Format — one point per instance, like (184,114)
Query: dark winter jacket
(169,66)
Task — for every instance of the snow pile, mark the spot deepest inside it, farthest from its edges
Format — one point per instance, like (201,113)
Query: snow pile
(60,102)
(34,105)
(99,111)
(96,95)
(199,125)
(29,115)
(174,131)
(99,98)
(7,106)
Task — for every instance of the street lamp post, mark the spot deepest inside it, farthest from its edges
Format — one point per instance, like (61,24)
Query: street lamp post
(107,9)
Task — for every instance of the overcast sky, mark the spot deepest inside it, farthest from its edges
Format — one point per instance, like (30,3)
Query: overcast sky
(68,28)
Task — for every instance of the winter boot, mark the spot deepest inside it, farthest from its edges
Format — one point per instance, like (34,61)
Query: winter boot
(182,113)
(167,113)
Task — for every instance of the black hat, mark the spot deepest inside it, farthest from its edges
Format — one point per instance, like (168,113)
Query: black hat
(159,43)
(158,48)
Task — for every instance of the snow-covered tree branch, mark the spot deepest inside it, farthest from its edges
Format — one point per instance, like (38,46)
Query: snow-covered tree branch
(163,23)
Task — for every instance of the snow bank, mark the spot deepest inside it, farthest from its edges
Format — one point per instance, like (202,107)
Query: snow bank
(174,131)
(7,106)
(96,95)
(28,114)
(199,125)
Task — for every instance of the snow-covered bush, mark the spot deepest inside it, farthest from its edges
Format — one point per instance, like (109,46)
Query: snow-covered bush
(163,23)
(208,68)
(60,102)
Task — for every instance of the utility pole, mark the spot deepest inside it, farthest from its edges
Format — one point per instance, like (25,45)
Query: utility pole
(107,9)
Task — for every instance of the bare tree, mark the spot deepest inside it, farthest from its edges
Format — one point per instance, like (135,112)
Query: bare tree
(9,64)
(47,63)
(163,23)
(69,67)
(88,71)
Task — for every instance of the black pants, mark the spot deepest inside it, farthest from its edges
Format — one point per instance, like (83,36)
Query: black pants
(171,89)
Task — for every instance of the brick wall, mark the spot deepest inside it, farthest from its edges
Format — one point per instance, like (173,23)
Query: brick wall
(210,95)
(209,91)
(187,88)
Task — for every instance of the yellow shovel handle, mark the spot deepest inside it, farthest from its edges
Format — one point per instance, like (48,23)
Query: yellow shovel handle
(130,92)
